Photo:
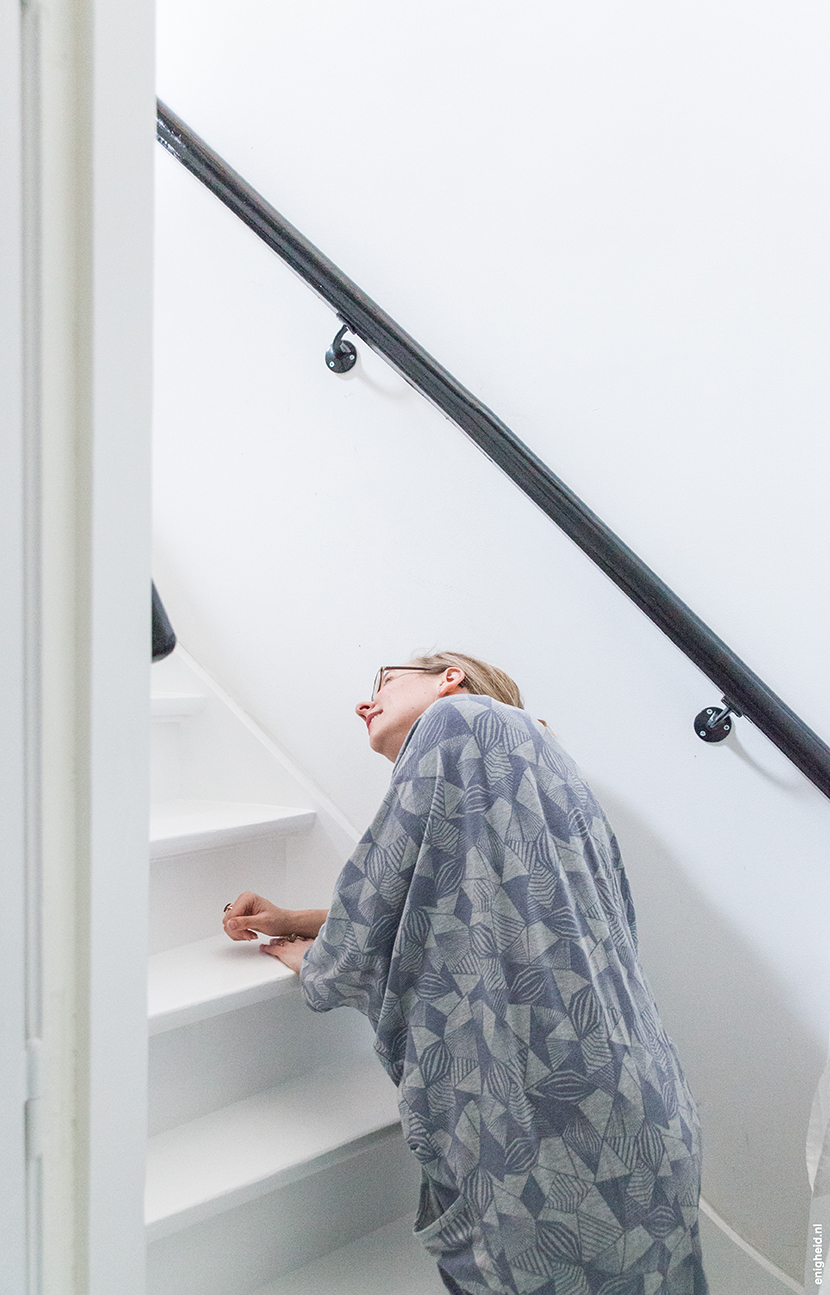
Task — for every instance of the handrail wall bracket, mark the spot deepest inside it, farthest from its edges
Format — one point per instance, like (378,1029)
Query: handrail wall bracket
(713,724)
(341,356)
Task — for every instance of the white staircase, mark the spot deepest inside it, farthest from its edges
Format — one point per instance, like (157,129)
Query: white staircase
(275,1159)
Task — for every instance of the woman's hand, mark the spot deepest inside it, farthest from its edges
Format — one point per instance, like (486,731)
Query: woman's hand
(289,952)
(250,915)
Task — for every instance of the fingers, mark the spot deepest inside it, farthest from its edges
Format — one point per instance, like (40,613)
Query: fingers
(289,952)
(247,902)
(250,915)
(245,917)
(247,927)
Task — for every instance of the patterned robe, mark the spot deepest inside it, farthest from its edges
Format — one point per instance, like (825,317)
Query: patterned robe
(484,925)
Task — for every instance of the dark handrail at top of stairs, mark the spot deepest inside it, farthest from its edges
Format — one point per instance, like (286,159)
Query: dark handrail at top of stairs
(742,688)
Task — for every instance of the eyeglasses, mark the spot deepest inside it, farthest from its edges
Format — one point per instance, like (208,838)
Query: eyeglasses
(380,677)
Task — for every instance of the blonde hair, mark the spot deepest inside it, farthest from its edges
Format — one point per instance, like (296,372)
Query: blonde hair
(481,679)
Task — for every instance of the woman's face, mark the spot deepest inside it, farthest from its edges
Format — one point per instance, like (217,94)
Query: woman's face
(402,699)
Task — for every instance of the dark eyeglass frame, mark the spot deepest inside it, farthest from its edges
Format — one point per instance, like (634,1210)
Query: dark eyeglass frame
(379,677)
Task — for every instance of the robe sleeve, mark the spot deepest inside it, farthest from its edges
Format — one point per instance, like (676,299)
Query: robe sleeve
(349,963)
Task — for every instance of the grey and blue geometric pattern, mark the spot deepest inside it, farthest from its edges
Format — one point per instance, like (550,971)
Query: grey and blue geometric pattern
(485,926)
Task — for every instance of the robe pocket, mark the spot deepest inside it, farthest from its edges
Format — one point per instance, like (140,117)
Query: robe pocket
(443,1232)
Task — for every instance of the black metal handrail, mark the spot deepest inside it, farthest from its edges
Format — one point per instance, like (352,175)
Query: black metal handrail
(163,638)
(742,689)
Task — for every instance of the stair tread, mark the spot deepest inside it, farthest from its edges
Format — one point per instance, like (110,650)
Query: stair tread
(208,977)
(386,1260)
(244,1150)
(179,826)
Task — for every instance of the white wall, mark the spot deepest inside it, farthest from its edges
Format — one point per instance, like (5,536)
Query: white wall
(608,221)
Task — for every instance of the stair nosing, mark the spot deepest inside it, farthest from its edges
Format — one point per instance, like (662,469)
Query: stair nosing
(279,980)
(274,820)
(298,1090)
(169,1225)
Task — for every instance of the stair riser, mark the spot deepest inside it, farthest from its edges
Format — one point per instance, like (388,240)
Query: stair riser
(389,1261)
(165,760)
(211,1063)
(188,892)
(243,1248)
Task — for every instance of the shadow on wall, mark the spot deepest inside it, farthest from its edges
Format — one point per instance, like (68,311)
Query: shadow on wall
(750,1062)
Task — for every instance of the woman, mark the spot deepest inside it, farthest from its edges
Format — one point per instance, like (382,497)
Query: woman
(484,925)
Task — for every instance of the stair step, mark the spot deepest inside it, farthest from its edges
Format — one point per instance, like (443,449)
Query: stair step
(209,977)
(182,826)
(175,706)
(233,1155)
(388,1261)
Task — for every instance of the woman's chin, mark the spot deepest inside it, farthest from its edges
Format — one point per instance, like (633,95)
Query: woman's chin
(383,744)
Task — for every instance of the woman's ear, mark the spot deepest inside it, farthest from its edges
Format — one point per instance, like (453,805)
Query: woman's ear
(452,681)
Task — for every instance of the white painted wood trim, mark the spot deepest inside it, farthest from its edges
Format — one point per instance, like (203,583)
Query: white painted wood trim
(91,219)
(16,639)
(209,977)
(183,826)
(120,106)
(233,1155)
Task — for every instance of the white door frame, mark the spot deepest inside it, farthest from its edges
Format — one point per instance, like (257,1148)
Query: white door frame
(77,114)
(13,746)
